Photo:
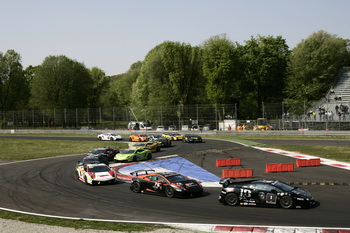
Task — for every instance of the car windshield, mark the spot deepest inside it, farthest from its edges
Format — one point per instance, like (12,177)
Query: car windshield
(142,135)
(99,169)
(90,159)
(127,151)
(176,178)
(283,186)
(97,151)
(139,144)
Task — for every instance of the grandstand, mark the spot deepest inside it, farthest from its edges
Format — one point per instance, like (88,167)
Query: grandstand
(337,100)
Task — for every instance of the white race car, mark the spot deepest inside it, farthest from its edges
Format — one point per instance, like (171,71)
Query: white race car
(96,174)
(109,136)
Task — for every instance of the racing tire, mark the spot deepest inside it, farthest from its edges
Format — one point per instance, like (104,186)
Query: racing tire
(135,187)
(158,148)
(149,156)
(86,182)
(100,138)
(134,159)
(286,202)
(169,192)
(231,199)
(111,139)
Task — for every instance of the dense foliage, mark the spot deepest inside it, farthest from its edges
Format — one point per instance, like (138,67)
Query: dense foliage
(218,71)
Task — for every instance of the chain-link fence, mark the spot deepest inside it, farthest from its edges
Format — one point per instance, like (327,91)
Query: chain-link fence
(279,116)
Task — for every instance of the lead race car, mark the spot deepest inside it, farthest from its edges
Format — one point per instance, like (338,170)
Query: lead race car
(170,184)
(264,193)
(109,137)
(95,174)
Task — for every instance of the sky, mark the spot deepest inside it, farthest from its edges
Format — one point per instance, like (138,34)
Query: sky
(114,34)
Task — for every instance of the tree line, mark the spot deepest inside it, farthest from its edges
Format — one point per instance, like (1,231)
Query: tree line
(219,71)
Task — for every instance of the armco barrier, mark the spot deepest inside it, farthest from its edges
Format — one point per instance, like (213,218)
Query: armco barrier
(308,162)
(228,162)
(237,173)
(282,167)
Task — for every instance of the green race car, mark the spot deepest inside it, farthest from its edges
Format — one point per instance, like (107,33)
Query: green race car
(133,155)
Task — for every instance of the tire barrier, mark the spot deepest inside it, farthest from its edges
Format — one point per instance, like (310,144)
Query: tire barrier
(282,167)
(308,162)
(228,162)
(237,173)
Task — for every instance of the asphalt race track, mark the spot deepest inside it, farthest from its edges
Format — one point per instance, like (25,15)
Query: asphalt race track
(50,186)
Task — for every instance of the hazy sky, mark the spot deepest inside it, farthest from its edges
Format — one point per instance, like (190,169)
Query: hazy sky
(113,34)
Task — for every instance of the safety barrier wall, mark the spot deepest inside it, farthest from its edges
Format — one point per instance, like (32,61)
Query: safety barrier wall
(228,162)
(308,162)
(237,173)
(282,167)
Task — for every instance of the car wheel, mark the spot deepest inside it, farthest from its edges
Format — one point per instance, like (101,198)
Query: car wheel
(158,148)
(286,202)
(134,159)
(111,139)
(136,187)
(100,138)
(149,156)
(231,199)
(86,181)
(169,192)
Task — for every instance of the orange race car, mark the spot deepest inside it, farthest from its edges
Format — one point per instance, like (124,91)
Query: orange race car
(138,138)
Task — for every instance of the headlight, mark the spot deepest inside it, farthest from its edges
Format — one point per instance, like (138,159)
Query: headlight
(178,188)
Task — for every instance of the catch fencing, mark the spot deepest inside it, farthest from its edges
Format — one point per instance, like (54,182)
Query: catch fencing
(208,115)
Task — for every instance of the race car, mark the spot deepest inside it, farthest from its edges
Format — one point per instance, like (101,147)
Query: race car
(170,184)
(138,138)
(152,146)
(109,152)
(95,174)
(109,137)
(192,138)
(263,193)
(133,155)
(162,141)
(92,159)
(173,136)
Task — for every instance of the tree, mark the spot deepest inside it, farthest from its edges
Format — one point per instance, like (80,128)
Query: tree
(183,65)
(61,83)
(222,69)
(314,65)
(265,61)
(14,87)
(99,86)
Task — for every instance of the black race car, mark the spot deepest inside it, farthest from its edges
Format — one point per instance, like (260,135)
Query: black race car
(264,193)
(91,159)
(170,184)
(162,141)
(192,138)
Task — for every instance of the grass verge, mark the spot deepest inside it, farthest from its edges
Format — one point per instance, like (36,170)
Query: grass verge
(81,224)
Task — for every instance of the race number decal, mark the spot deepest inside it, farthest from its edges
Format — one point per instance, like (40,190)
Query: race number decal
(246,193)
(271,198)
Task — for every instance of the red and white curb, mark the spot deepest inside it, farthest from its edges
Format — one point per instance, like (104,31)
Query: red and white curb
(328,162)
(258,229)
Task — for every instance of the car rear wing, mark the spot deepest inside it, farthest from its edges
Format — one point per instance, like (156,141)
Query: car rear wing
(142,172)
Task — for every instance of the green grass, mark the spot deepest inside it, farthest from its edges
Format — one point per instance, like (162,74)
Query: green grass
(339,153)
(24,149)
(81,224)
